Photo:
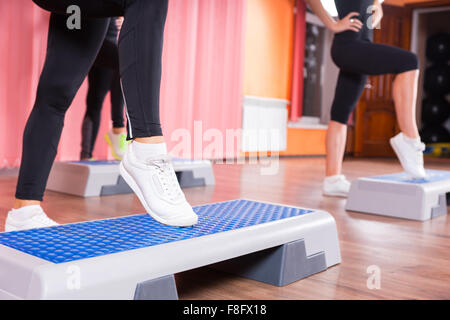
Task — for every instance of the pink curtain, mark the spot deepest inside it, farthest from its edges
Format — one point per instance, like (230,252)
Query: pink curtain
(202,77)
(299,59)
(203,73)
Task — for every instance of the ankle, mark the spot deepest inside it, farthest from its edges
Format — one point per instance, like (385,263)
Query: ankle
(332,173)
(411,135)
(150,140)
(411,139)
(334,178)
(144,151)
(19,203)
(119,130)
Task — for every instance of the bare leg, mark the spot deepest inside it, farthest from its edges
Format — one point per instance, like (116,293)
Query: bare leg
(19,203)
(119,130)
(335,144)
(405,95)
(150,140)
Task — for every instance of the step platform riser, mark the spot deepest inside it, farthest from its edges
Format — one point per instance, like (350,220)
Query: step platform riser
(400,197)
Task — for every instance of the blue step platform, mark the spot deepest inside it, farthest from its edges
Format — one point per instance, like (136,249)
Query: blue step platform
(136,257)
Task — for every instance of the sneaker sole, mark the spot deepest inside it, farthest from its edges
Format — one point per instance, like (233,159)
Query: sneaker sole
(133,185)
(113,152)
(10,229)
(394,146)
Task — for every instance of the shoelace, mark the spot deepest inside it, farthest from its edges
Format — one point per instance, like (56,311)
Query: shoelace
(167,177)
(420,148)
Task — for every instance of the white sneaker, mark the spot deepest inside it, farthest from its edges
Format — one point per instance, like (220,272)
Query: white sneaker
(118,143)
(155,183)
(336,186)
(34,218)
(410,154)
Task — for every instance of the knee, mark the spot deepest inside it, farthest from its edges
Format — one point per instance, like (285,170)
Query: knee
(341,111)
(339,116)
(55,96)
(410,62)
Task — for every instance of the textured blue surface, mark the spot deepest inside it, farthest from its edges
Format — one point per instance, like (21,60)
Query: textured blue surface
(433,176)
(71,242)
(115,162)
(97,163)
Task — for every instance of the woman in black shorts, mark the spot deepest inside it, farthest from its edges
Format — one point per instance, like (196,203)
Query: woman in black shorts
(357,57)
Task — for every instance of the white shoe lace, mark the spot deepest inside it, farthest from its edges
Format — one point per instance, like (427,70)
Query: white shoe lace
(420,148)
(167,177)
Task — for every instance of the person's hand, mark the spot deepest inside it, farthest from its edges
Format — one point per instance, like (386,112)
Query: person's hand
(119,22)
(350,22)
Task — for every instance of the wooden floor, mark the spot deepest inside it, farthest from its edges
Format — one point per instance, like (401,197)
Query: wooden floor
(414,257)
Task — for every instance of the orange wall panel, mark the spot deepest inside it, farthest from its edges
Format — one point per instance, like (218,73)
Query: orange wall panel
(268,48)
(305,142)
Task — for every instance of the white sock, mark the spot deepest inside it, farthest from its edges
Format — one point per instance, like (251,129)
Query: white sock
(332,179)
(117,134)
(26,212)
(143,151)
(412,141)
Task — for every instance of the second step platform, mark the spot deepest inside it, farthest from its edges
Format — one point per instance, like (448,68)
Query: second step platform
(102,178)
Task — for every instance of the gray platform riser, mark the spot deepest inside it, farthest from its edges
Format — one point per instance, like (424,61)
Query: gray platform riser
(277,266)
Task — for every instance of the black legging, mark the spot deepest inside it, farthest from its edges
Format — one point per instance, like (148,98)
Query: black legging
(356,56)
(104,76)
(70,55)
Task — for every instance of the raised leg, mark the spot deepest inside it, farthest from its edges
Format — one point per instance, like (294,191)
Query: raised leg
(405,94)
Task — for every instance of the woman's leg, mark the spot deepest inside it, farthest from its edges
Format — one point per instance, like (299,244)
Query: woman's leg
(369,58)
(364,57)
(99,80)
(117,136)
(407,145)
(404,93)
(70,54)
(140,54)
(145,166)
(101,75)
(349,88)
(335,144)
(117,105)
